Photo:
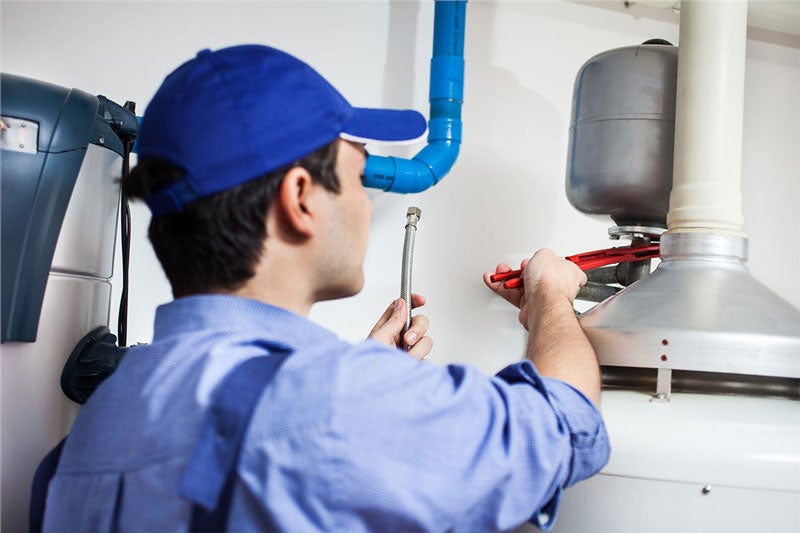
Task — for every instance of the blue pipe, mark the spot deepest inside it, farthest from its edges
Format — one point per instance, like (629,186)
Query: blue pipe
(446,95)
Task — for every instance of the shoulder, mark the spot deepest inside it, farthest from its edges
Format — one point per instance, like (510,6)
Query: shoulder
(312,381)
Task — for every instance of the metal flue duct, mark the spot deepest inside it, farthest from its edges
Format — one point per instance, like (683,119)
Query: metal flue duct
(701,311)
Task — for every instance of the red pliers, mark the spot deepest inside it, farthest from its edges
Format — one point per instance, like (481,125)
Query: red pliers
(589,260)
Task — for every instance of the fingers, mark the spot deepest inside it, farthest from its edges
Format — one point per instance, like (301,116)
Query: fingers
(492,284)
(385,317)
(417,300)
(511,295)
(552,273)
(415,341)
(501,268)
(387,329)
(390,325)
(419,325)
(421,348)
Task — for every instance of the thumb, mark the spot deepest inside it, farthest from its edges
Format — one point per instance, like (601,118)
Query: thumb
(391,323)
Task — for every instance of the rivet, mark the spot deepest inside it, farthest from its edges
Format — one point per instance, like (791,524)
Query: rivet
(664,357)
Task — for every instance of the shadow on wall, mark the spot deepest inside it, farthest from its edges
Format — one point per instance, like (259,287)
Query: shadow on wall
(497,195)
(399,74)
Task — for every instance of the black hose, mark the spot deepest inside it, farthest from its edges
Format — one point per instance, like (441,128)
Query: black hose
(125,238)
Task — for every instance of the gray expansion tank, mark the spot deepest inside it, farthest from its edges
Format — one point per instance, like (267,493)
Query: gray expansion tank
(621,134)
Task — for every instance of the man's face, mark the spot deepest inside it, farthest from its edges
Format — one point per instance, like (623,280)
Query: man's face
(349,216)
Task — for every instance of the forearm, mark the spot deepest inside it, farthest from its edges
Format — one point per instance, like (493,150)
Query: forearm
(558,347)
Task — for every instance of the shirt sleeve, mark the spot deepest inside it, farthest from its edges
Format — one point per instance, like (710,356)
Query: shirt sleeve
(588,437)
(428,447)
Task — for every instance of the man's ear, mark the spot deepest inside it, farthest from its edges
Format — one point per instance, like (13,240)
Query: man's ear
(295,202)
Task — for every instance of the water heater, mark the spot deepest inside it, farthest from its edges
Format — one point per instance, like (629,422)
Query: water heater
(62,153)
(700,361)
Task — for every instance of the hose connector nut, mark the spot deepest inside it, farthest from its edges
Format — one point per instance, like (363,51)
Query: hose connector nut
(413,215)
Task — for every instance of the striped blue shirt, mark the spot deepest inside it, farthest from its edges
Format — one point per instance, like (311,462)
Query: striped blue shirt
(345,438)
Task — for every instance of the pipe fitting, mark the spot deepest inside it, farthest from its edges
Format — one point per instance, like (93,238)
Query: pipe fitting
(413,215)
(445,95)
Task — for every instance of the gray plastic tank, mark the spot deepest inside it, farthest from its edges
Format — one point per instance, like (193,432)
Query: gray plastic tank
(621,134)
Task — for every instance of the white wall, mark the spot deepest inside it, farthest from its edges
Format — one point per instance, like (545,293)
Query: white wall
(505,196)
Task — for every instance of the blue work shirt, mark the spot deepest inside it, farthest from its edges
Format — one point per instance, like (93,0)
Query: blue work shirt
(345,438)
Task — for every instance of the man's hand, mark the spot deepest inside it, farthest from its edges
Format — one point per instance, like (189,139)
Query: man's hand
(549,277)
(512,295)
(391,323)
(515,296)
(544,272)
(557,344)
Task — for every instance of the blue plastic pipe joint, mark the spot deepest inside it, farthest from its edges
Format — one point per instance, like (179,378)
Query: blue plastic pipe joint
(446,95)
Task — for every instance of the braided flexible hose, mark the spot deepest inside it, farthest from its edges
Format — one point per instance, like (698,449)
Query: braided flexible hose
(412,217)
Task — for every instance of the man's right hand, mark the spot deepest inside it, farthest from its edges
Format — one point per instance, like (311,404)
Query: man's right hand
(544,274)
(548,278)
(557,344)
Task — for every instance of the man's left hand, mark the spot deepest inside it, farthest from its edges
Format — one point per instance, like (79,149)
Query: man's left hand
(391,323)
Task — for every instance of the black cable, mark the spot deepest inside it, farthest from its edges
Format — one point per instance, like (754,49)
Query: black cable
(125,231)
(125,235)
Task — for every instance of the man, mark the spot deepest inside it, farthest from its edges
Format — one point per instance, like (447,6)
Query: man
(242,414)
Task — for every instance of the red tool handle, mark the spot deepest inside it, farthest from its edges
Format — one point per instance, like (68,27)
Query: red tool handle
(588,261)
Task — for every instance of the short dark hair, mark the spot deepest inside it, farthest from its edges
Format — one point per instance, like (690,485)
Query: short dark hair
(215,243)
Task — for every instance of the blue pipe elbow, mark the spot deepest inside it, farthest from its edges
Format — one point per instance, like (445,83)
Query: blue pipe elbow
(434,161)
(418,174)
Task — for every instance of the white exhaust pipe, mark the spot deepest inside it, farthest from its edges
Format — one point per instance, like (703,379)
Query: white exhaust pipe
(706,183)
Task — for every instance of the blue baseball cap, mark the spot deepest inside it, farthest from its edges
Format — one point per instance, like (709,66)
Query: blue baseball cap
(232,115)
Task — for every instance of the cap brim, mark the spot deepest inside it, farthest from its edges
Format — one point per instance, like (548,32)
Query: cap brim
(385,126)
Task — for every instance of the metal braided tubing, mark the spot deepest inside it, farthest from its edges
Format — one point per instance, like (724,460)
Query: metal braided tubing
(405,277)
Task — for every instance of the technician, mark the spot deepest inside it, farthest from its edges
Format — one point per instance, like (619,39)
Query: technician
(244,415)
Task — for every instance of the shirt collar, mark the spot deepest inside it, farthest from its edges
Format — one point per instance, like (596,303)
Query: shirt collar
(227,313)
